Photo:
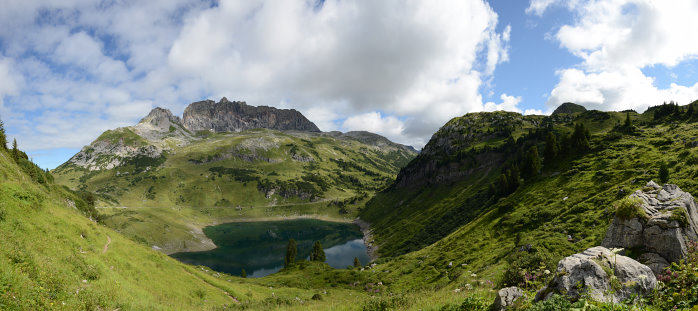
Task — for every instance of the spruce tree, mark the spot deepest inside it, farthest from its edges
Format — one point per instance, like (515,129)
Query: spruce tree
(291,252)
(317,254)
(663,172)
(15,151)
(551,148)
(357,263)
(628,123)
(3,136)
(531,165)
(243,273)
(580,138)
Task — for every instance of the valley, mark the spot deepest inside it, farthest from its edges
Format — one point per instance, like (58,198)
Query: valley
(476,211)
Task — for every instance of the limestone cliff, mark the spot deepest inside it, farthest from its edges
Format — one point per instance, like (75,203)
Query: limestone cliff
(226,116)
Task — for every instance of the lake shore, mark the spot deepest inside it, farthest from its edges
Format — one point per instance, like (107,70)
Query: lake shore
(371,247)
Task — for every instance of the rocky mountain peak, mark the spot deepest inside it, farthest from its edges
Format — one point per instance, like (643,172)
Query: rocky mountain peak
(158,116)
(227,116)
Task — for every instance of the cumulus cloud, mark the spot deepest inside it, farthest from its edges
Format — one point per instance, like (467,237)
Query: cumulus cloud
(399,68)
(509,103)
(615,40)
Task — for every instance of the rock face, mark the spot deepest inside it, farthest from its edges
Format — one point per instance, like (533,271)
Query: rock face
(660,237)
(602,275)
(506,297)
(226,116)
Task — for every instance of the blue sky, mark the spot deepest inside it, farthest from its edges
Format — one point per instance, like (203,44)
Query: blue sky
(71,70)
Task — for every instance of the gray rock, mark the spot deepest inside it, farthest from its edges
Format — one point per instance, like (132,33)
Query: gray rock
(660,233)
(601,275)
(654,261)
(506,297)
(226,116)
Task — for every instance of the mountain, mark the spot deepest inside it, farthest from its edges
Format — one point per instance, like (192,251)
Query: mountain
(469,199)
(569,108)
(211,177)
(259,155)
(495,199)
(226,116)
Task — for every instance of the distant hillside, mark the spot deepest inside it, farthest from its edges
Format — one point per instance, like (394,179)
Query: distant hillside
(569,108)
(164,161)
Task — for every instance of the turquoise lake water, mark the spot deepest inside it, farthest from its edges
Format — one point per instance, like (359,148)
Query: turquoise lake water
(260,247)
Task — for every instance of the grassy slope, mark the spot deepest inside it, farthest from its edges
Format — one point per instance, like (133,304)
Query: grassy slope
(264,154)
(215,180)
(574,197)
(52,257)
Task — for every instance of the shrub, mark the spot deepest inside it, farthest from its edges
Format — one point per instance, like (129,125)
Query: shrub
(554,303)
(629,208)
(680,216)
(678,284)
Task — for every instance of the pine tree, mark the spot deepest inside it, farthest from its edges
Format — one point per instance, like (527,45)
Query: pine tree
(580,138)
(357,263)
(243,273)
(663,172)
(291,252)
(3,136)
(15,151)
(317,254)
(565,144)
(551,148)
(514,178)
(628,123)
(503,184)
(531,165)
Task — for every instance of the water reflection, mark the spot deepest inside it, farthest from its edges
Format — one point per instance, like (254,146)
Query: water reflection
(259,247)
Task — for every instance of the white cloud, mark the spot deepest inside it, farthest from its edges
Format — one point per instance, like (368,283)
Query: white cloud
(509,103)
(616,39)
(388,126)
(538,7)
(90,66)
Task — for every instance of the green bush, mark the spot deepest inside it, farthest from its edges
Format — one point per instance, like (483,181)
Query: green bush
(554,303)
(629,208)
(678,284)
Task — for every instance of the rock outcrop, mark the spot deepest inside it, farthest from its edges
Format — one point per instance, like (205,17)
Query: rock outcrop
(226,116)
(506,298)
(668,218)
(600,274)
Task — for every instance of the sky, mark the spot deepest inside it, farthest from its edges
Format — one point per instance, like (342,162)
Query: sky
(71,69)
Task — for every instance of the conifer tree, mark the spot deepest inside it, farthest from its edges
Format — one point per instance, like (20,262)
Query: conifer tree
(628,123)
(514,177)
(291,252)
(3,136)
(243,273)
(580,138)
(15,151)
(357,263)
(663,172)
(531,165)
(551,148)
(317,254)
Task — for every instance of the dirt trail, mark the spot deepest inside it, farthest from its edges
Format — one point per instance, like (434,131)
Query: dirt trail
(106,246)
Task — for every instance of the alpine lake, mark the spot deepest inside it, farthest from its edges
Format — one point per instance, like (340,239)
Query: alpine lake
(260,247)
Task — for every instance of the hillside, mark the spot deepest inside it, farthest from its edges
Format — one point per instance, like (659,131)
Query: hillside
(161,162)
(54,257)
(162,181)
(457,201)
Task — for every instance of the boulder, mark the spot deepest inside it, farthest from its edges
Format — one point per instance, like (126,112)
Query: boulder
(668,219)
(506,297)
(600,274)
